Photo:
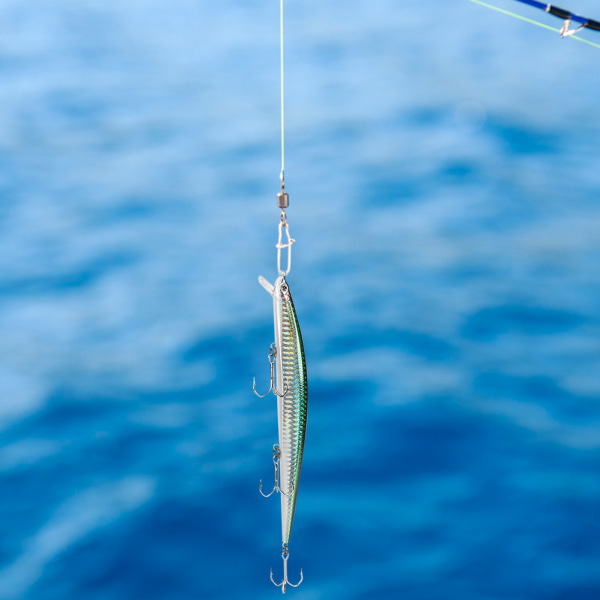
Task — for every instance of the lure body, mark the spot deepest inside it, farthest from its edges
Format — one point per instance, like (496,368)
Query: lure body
(292,400)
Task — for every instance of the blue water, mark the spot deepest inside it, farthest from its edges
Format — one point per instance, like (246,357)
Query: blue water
(445,197)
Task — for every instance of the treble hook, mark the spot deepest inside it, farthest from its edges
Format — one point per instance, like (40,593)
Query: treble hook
(285,555)
(276,488)
(272,355)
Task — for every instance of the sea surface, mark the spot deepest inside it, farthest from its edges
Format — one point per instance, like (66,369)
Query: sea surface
(443,166)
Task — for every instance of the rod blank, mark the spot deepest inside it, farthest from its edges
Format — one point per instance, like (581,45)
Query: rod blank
(563,14)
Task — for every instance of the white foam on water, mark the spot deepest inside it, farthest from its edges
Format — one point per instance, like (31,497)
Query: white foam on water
(24,453)
(20,396)
(80,516)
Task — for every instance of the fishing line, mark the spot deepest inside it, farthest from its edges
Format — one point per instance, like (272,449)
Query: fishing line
(532,21)
(283,199)
(282,89)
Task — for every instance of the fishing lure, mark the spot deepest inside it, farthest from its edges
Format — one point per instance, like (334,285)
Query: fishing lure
(291,390)
(291,385)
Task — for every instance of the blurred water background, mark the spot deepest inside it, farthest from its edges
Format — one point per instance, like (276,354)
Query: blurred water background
(443,165)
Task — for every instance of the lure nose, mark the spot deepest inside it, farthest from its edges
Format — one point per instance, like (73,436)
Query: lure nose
(269,287)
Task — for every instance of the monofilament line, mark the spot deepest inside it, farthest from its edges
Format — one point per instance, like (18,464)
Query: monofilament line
(283,200)
(282,89)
